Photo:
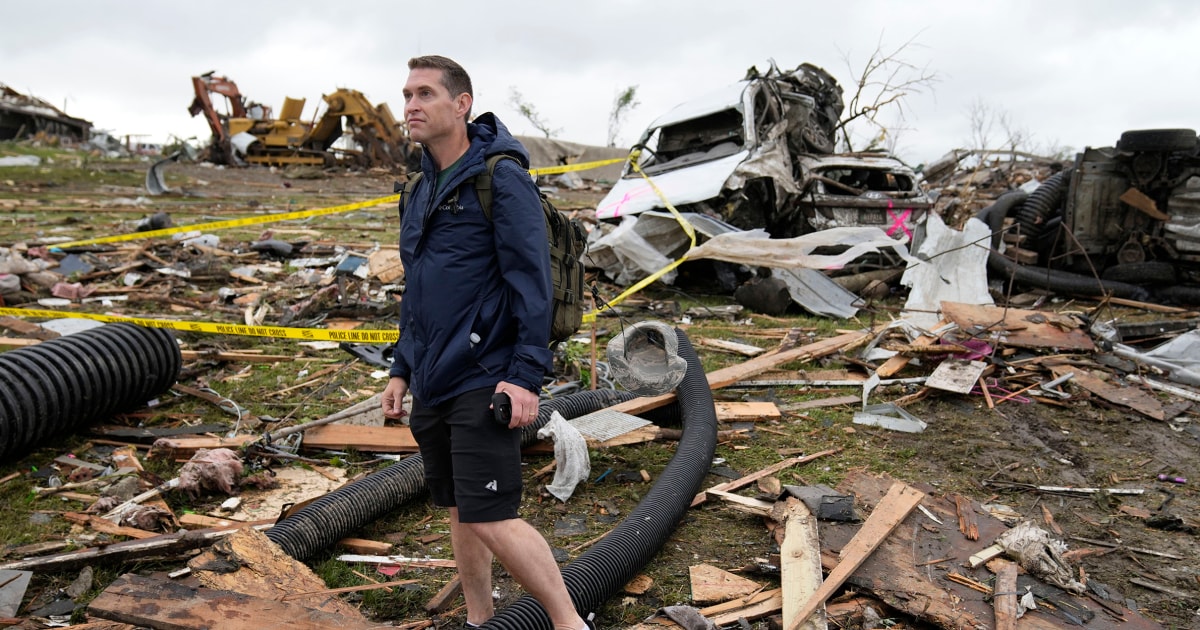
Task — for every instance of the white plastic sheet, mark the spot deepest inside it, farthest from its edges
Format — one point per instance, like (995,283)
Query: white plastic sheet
(570,451)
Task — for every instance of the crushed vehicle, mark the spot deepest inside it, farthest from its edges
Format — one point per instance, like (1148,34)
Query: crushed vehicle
(245,132)
(758,154)
(1122,219)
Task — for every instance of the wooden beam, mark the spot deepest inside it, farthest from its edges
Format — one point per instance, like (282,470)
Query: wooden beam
(127,550)
(1004,597)
(800,565)
(769,470)
(108,527)
(240,357)
(743,504)
(892,508)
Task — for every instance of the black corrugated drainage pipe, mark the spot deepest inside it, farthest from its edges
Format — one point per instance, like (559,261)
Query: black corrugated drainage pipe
(51,389)
(1045,277)
(601,571)
(343,511)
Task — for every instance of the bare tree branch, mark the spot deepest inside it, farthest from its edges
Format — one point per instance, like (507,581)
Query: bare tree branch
(885,81)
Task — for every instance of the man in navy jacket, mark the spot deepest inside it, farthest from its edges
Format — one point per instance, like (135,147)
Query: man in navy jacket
(474,321)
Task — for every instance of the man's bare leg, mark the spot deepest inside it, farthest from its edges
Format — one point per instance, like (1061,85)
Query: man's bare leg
(526,555)
(474,562)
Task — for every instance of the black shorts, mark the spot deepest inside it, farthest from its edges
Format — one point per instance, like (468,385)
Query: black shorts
(471,461)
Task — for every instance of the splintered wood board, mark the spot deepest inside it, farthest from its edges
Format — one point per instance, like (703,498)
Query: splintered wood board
(711,584)
(747,411)
(1016,327)
(364,438)
(166,605)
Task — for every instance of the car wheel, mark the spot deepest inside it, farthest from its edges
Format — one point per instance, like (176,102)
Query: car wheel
(1158,140)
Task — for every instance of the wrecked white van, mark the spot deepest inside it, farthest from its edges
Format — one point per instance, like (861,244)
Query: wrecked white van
(757,155)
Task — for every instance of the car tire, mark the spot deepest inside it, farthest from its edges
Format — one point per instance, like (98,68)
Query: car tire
(1158,140)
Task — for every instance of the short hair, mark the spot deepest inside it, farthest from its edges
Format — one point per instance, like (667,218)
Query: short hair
(454,78)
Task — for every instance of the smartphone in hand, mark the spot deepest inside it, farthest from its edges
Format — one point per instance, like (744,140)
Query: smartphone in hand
(502,408)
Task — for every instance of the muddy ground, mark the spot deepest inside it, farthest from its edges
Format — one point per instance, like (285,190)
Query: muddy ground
(991,456)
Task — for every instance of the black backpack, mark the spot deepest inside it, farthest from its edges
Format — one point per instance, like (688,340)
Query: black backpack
(567,239)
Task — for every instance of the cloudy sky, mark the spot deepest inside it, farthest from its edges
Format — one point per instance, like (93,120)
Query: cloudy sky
(1060,74)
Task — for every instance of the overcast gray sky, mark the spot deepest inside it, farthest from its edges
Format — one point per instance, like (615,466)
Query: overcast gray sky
(1067,74)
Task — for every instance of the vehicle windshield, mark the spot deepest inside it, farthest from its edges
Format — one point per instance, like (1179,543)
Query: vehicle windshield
(702,139)
(857,181)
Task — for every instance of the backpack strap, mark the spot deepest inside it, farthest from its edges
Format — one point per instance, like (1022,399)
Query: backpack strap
(407,192)
(483,182)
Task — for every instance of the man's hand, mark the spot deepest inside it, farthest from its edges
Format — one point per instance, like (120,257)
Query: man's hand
(524,404)
(393,398)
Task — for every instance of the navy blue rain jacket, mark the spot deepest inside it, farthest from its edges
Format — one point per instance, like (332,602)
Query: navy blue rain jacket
(467,275)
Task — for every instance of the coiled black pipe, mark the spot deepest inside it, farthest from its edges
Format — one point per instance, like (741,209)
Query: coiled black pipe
(602,570)
(343,511)
(51,389)
(1045,277)
(1042,203)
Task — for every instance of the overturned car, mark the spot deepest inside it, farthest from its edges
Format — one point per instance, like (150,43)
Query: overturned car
(1123,220)
(757,154)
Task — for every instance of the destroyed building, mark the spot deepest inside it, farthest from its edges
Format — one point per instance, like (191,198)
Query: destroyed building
(23,116)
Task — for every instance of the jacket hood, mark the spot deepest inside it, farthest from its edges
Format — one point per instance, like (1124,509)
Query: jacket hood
(488,130)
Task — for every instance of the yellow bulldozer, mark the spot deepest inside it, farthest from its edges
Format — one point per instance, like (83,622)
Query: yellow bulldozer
(246,133)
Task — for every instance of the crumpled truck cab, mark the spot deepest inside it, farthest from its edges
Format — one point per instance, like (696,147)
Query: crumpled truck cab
(757,154)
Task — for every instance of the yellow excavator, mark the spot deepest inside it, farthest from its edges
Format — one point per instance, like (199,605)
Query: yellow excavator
(246,133)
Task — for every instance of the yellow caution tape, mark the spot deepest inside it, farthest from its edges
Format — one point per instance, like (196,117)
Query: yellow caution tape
(278,332)
(638,286)
(567,168)
(300,214)
(232,223)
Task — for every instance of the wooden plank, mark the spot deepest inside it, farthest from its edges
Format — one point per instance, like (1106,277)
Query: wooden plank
(897,363)
(397,439)
(364,546)
(726,345)
(711,584)
(240,357)
(185,447)
(108,527)
(444,597)
(1004,597)
(18,342)
(800,565)
(967,523)
(893,508)
(1021,328)
(166,605)
(730,486)
(743,504)
(734,373)
(200,521)
(833,401)
(1134,398)
(744,411)
(756,607)
(126,550)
